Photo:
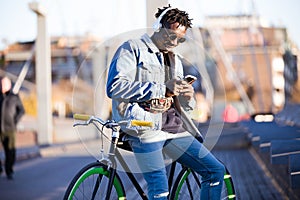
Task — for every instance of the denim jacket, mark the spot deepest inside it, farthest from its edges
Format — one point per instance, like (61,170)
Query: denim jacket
(137,74)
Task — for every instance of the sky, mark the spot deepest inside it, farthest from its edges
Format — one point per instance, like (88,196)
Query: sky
(106,18)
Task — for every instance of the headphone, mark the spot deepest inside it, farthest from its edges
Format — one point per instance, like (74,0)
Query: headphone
(157,24)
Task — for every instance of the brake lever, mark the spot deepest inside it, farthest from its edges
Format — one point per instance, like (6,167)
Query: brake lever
(80,124)
(92,118)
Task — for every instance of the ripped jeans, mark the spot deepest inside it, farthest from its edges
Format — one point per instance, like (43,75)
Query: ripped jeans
(185,150)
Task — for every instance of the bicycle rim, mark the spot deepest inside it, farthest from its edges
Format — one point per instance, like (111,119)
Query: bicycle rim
(187,186)
(91,183)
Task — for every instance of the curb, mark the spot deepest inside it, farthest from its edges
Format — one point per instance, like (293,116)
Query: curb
(27,153)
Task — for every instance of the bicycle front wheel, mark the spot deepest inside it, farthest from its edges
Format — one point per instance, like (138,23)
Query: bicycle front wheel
(91,182)
(188,186)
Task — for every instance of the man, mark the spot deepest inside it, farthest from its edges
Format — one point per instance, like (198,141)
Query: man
(11,112)
(145,82)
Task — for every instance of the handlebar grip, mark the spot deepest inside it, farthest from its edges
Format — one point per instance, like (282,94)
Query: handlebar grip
(82,117)
(141,123)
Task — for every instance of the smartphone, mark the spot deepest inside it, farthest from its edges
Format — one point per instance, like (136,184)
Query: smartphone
(190,79)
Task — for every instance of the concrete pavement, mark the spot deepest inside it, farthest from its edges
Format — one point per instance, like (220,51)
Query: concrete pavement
(232,148)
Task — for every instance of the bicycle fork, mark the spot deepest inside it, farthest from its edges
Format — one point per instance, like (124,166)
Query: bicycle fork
(112,175)
(112,167)
(97,186)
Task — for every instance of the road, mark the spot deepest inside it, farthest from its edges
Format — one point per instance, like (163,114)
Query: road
(47,177)
(41,178)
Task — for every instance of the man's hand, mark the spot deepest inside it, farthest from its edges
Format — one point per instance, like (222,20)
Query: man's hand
(187,91)
(177,87)
(173,87)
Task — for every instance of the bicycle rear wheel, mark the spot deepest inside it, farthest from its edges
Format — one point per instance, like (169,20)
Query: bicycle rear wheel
(187,186)
(91,183)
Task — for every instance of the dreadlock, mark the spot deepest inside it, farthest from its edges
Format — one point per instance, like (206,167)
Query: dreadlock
(174,15)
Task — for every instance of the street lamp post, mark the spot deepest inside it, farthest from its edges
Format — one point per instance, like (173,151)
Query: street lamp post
(43,77)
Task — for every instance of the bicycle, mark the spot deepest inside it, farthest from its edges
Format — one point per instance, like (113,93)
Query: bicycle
(100,179)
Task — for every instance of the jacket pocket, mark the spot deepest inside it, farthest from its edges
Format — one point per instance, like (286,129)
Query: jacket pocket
(150,73)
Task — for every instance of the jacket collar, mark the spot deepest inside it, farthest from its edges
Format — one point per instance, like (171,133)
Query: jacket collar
(149,43)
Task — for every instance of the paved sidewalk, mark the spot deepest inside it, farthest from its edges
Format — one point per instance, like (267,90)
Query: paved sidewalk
(250,178)
(27,142)
(34,151)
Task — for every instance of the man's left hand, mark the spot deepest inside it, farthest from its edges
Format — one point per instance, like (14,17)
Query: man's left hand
(187,91)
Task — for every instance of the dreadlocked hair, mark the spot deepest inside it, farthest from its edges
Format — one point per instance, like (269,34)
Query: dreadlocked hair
(174,15)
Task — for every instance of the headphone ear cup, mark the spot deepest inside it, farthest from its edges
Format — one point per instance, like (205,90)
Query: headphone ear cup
(157,25)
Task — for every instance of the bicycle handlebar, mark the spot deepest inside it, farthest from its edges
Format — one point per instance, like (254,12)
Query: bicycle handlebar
(89,118)
(141,123)
(81,117)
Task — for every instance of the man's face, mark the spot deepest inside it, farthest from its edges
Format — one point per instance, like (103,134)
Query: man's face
(172,37)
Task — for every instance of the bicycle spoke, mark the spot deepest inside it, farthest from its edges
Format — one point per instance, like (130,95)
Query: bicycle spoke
(189,189)
(96,186)
(196,179)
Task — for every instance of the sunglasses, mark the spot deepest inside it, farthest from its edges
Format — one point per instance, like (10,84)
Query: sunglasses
(172,36)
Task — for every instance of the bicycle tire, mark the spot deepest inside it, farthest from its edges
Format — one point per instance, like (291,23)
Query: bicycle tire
(94,175)
(187,186)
